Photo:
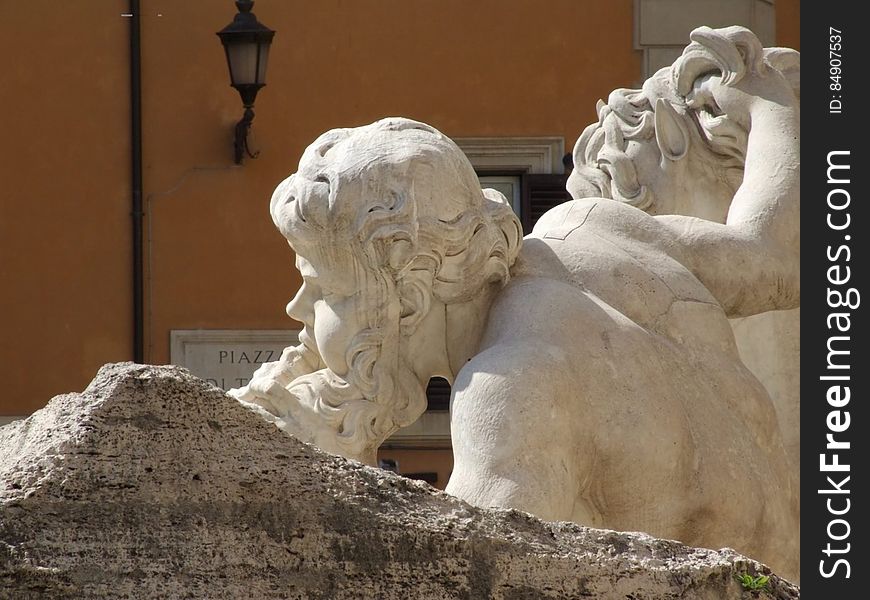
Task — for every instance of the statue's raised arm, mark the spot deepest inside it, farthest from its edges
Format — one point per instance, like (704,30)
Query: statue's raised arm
(726,125)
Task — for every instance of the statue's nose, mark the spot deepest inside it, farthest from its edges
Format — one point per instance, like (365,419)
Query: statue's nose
(301,307)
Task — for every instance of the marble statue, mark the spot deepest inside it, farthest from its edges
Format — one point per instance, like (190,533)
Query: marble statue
(595,376)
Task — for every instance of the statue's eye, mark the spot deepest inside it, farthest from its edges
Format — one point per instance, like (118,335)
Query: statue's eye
(712,107)
(297,209)
(388,202)
(336,302)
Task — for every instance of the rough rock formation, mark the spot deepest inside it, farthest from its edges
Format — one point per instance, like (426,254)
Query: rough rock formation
(153,484)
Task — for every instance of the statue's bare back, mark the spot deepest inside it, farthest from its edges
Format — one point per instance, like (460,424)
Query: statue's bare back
(650,392)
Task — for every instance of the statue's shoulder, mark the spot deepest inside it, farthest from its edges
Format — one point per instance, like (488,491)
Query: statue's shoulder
(538,316)
(511,366)
(602,215)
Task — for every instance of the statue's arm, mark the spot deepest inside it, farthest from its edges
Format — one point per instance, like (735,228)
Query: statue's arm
(751,264)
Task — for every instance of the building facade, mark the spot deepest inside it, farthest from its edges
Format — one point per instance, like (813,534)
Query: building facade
(516,82)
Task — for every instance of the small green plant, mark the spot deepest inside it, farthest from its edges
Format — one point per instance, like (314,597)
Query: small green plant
(753,583)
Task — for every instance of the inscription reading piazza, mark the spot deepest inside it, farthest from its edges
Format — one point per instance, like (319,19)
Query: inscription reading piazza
(227,358)
(243,357)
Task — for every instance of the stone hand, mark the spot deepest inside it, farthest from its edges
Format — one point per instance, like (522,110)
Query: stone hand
(318,408)
(727,72)
(290,408)
(738,102)
(268,386)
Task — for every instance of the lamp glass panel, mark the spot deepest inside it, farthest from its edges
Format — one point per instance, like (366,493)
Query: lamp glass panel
(243,62)
(264,59)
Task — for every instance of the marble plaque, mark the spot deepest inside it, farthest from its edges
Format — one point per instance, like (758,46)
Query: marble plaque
(227,357)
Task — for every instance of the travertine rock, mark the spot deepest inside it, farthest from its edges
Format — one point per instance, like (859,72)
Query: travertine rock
(153,484)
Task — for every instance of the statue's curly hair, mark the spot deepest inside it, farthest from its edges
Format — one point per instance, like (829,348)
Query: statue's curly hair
(400,204)
(404,197)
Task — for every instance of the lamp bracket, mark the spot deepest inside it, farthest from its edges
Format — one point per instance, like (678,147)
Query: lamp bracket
(240,141)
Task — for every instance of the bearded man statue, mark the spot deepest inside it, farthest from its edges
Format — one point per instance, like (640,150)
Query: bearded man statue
(595,375)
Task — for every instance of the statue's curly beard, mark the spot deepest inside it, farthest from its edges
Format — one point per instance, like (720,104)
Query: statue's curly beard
(602,166)
(349,416)
(614,178)
(588,182)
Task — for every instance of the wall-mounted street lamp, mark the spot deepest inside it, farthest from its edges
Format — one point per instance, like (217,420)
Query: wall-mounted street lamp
(246,42)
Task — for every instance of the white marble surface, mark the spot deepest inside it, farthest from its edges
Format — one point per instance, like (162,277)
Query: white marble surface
(595,373)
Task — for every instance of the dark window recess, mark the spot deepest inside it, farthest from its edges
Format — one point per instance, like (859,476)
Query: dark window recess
(389,464)
(541,192)
(438,393)
(430,478)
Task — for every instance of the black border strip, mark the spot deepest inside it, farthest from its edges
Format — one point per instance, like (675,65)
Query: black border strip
(834,261)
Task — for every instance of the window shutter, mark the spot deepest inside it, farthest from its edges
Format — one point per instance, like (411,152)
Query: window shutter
(438,393)
(541,192)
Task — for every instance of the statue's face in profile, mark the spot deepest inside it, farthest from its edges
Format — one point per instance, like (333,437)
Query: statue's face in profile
(646,157)
(661,186)
(619,156)
(330,305)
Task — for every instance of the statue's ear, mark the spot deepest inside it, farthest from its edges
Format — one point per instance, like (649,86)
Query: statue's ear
(415,298)
(672,134)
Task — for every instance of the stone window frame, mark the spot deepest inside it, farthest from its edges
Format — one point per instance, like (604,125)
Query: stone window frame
(662,27)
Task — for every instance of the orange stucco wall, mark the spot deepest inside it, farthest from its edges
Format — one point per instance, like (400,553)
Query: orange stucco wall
(788,23)
(467,68)
(64,197)
(214,260)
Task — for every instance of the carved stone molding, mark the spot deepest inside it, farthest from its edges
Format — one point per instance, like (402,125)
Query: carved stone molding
(527,154)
